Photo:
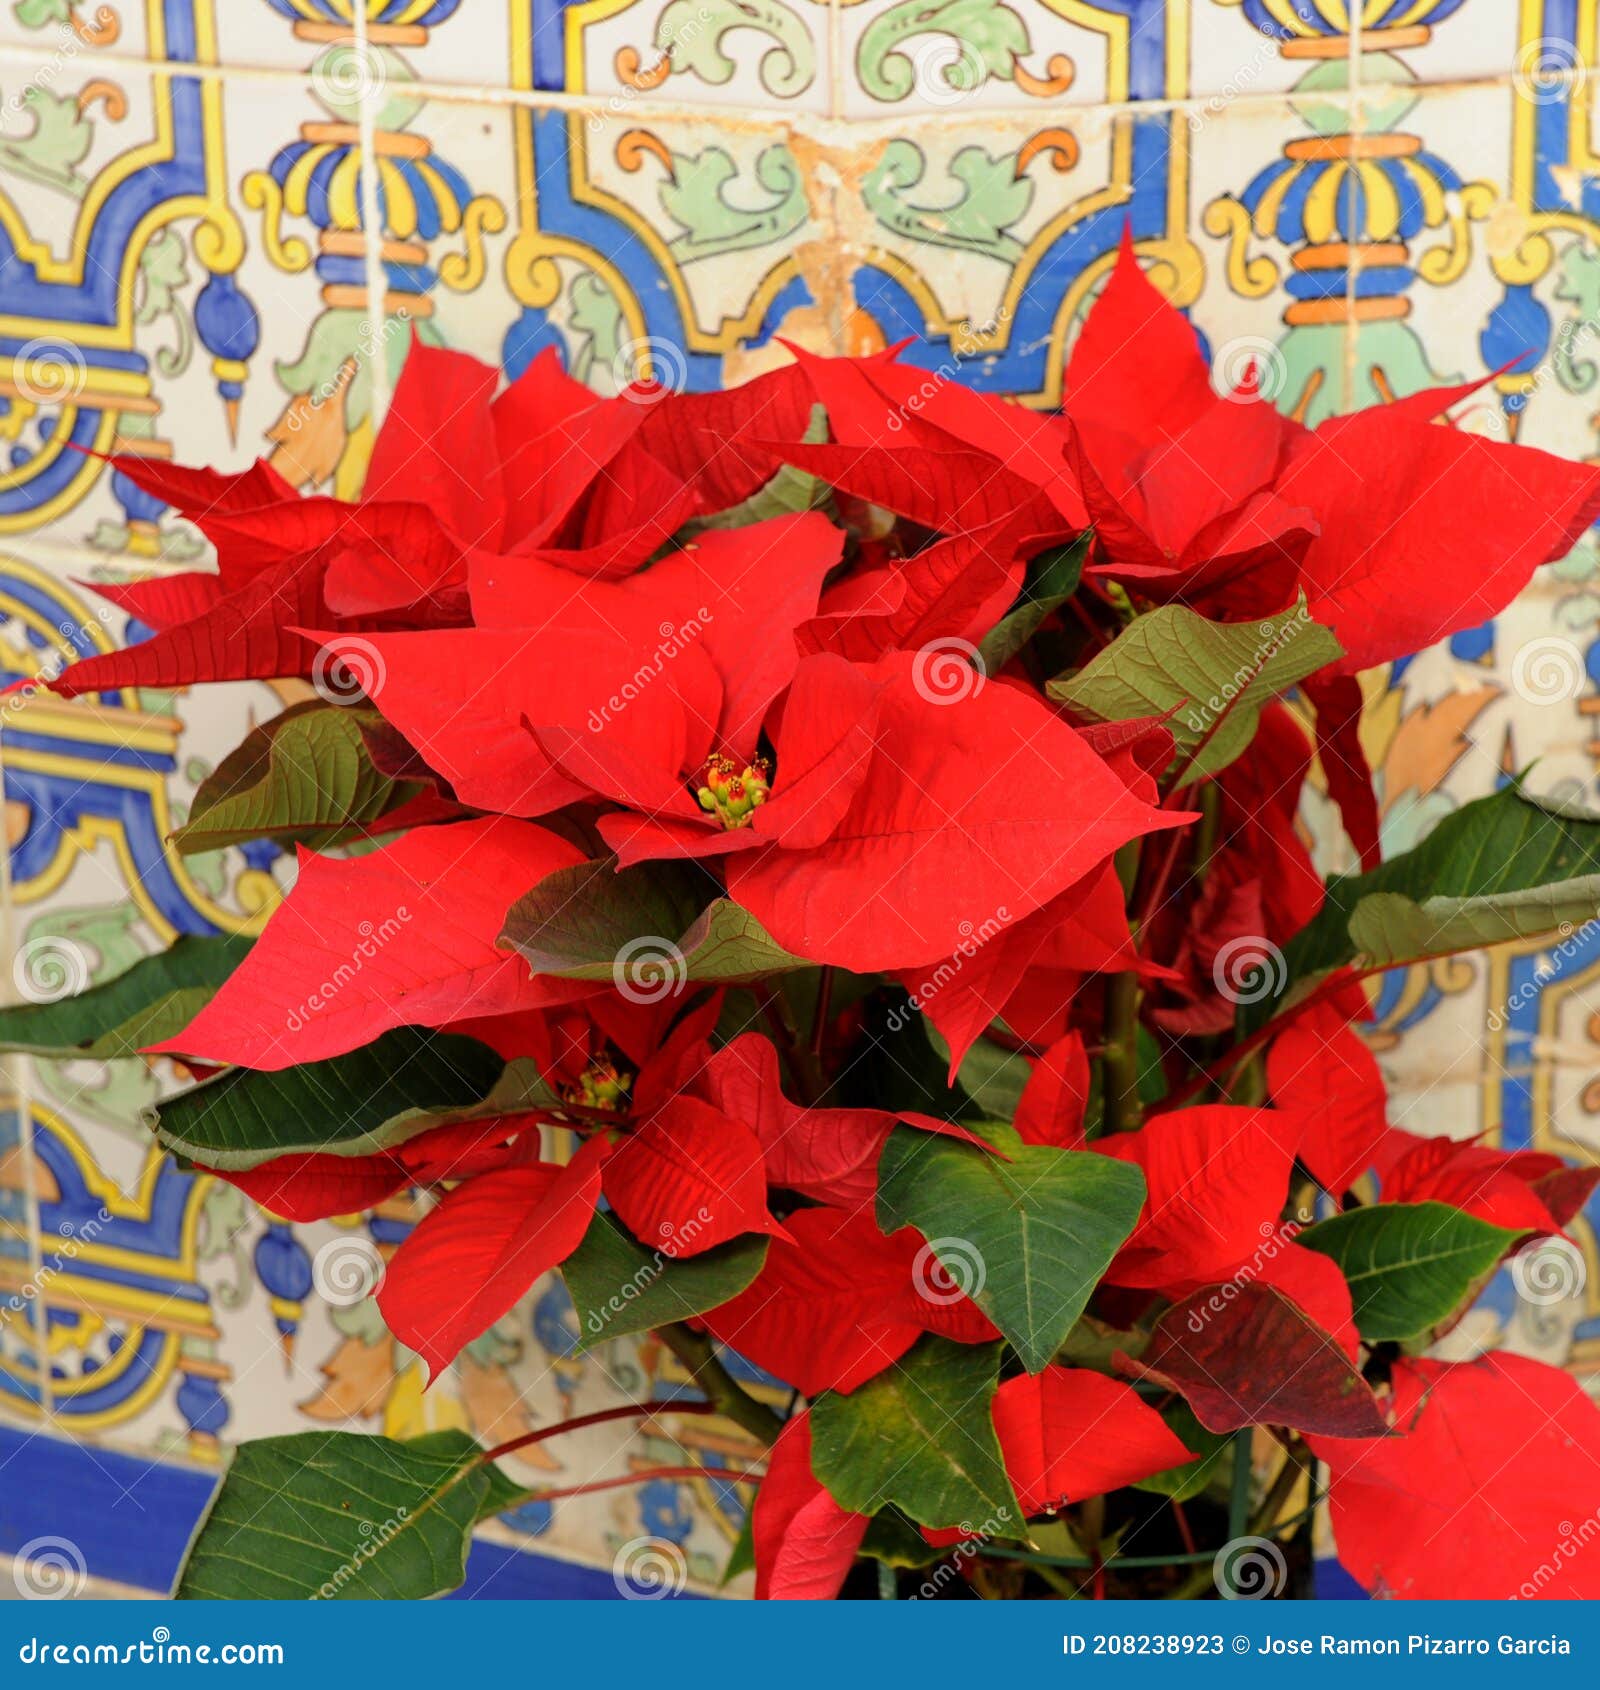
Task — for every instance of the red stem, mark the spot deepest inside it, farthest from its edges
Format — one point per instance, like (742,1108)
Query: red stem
(629,1411)
(644,1476)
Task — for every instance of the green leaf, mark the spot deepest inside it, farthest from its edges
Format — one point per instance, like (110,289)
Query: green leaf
(105,1020)
(742,1557)
(649,929)
(1409,1265)
(367,1100)
(991,1076)
(1052,579)
(304,776)
(920,1436)
(153,1025)
(1216,677)
(1211,1456)
(892,1539)
(788,493)
(343,1515)
(1503,867)
(618,1286)
(1031,1236)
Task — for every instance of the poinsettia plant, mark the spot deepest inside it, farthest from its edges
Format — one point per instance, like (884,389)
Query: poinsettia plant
(817,864)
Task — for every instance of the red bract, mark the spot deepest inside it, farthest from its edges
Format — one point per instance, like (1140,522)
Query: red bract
(875,1025)
(1227,505)
(402,937)
(1217,1178)
(1449,1510)
(937,828)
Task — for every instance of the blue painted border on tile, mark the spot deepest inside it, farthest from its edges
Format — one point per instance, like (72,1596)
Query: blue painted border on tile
(131,1520)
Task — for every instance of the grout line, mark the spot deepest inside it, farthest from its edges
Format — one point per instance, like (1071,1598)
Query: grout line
(1351,340)
(372,224)
(603,103)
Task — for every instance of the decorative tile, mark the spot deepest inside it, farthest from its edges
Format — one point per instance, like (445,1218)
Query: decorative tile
(1462,40)
(665,246)
(773,58)
(172,311)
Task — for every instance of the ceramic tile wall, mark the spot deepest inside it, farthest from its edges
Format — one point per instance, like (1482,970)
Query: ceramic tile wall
(222,220)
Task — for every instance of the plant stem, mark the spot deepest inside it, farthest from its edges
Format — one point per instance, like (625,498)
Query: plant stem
(803,1064)
(644,1477)
(726,1395)
(1262,1524)
(629,1411)
(1123,1112)
(819,1017)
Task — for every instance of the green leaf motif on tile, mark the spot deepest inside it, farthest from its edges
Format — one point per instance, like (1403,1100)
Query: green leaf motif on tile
(709,199)
(959,45)
(992,198)
(920,1436)
(691,33)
